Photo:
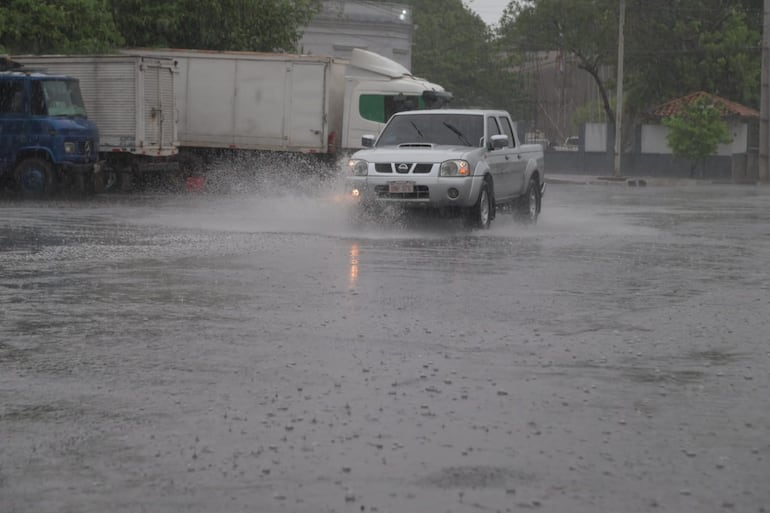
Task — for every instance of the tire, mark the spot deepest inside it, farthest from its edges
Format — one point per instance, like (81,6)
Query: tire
(480,215)
(34,178)
(100,184)
(126,181)
(529,205)
(84,184)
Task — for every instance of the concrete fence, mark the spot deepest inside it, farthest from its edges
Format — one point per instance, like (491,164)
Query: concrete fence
(595,155)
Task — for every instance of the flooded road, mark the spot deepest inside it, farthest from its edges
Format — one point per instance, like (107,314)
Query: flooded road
(205,353)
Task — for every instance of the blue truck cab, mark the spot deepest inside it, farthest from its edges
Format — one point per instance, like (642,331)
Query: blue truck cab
(46,140)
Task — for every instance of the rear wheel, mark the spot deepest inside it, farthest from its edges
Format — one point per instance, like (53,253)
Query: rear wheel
(85,184)
(34,178)
(100,184)
(529,206)
(480,215)
(126,181)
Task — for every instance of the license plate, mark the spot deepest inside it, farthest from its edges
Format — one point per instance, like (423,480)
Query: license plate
(401,187)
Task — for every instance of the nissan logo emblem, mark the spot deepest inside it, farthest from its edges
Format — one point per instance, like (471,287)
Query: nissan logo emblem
(403,168)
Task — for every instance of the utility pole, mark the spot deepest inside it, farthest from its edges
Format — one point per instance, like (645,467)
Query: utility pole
(619,94)
(764,108)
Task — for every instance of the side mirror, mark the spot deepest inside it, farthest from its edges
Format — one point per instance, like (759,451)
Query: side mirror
(367,141)
(499,141)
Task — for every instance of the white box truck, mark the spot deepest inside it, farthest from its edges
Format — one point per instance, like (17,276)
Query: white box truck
(131,100)
(275,102)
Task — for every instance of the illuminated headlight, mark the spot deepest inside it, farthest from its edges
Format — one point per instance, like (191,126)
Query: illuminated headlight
(455,168)
(358,167)
(69,147)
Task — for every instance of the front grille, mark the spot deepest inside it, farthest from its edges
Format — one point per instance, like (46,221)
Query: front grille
(403,168)
(420,192)
(87,148)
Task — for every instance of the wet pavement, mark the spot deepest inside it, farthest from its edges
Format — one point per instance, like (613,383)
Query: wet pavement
(236,353)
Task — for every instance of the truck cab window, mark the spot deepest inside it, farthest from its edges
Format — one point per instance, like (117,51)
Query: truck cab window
(379,108)
(57,98)
(11,97)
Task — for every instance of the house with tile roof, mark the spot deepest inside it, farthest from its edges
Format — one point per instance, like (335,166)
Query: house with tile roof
(647,151)
(742,123)
(729,109)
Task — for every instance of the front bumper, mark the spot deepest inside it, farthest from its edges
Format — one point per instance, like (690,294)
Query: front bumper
(72,168)
(422,191)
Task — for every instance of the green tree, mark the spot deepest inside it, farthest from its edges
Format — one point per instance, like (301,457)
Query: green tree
(249,25)
(695,132)
(672,48)
(455,48)
(675,48)
(57,26)
(587,29)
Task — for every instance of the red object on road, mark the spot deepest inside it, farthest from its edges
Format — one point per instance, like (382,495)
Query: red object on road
(196,183)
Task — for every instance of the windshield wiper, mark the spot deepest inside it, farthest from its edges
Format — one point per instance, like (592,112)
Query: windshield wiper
(459,134)
(417,129)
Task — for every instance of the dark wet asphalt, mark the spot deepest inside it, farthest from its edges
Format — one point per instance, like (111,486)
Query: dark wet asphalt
(241,354)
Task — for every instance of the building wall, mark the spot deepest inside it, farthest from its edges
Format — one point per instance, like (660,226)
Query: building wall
(735,161)
(596,137)
(382,27)
(654,140)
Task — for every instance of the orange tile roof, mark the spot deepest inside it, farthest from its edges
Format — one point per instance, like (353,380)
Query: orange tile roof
(728,108)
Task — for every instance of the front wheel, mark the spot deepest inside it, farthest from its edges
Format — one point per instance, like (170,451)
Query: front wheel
(34,178)
(529,206)
(480,215)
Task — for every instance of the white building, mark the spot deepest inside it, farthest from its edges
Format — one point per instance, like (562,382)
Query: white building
(382,27)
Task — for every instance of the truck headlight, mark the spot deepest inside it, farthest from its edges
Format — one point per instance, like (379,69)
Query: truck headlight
(455,168)
(69,147)
(358,167)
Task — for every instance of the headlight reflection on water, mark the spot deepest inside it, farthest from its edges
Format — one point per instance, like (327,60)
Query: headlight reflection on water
(353,275)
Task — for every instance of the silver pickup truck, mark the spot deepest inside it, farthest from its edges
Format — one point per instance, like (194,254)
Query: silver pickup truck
(457,161)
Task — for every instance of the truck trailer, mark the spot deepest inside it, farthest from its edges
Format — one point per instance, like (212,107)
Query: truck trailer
(287,102)
(283,117)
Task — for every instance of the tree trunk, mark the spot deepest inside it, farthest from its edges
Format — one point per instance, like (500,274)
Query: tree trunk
(594,72)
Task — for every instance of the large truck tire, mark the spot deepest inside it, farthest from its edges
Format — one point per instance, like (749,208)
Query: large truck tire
(85,184)
(35,178)
(126,181)
(100,184)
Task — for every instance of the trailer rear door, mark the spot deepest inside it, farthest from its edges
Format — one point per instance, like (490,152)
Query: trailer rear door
(305,108)
(158,107)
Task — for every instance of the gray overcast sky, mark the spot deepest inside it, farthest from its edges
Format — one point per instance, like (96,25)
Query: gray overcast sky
(489,10)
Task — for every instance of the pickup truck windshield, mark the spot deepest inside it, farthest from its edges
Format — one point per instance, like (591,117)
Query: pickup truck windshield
(57,98)
(439,129)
